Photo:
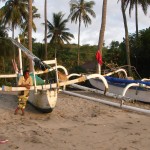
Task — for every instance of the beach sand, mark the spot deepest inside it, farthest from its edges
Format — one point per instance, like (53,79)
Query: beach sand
(74,124)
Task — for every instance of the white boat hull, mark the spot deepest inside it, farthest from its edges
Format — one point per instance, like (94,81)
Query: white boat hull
(140,94)
(43,100)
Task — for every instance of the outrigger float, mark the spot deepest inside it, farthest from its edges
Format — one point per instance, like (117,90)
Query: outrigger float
(44,97)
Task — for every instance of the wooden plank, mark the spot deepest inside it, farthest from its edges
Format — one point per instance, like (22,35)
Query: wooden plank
(8,75)
(44,87)
(48,62)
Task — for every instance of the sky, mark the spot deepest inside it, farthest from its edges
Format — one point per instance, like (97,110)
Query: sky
(114,30)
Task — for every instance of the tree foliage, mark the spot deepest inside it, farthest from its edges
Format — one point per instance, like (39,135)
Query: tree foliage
(57,31)
(13,13)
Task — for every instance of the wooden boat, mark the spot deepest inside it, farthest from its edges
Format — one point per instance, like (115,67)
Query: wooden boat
(44,97)
(132,89)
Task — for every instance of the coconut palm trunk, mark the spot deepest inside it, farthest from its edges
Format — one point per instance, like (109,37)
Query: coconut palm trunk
(102,31)
(79,39)
(136,16)
(126,37)
(13,36)
(13,31)
(103,25)
(45,16)
(30,32)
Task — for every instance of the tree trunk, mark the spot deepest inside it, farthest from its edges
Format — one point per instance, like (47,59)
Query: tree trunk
(13,36)
(103,25)
(102,31)
(79,40)
(45,13)
(126,37)
(136,16)
(13,31)
(30,32)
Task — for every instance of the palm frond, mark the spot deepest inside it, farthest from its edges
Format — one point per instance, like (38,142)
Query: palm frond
(57,31)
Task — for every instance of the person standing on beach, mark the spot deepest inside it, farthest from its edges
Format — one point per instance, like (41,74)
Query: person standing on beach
(24,81)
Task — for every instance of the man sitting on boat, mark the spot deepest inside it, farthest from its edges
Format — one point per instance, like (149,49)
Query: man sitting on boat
(24,81)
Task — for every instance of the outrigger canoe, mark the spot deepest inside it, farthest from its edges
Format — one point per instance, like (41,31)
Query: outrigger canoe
(134,89)
(44,97)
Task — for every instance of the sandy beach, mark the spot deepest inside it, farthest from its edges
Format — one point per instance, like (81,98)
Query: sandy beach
(74,124)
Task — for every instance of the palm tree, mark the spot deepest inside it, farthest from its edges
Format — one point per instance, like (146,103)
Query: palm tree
(80,10)
(45,18)
(123,8)
(58,31)
(144,4)
(30,31)
(13,13)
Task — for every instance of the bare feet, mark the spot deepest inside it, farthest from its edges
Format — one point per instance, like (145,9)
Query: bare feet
(16,111)
(22,112)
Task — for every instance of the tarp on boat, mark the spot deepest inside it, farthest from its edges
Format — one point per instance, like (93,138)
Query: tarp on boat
(39,81)
(125,81)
